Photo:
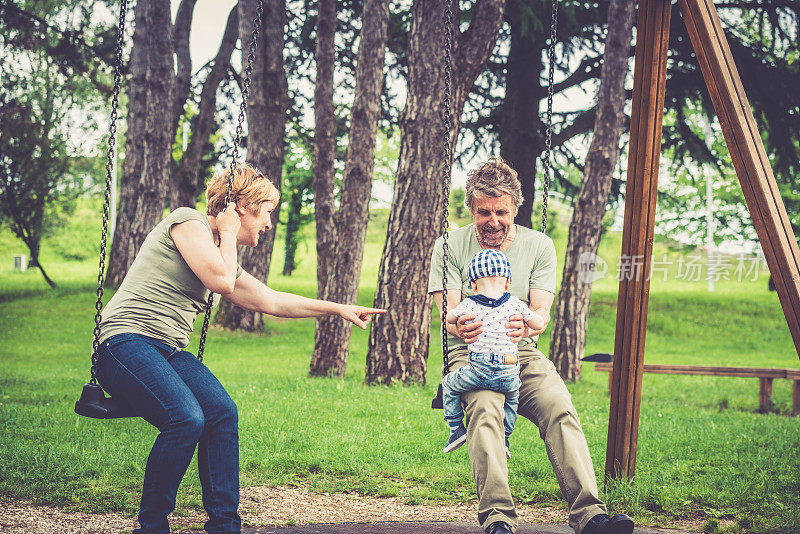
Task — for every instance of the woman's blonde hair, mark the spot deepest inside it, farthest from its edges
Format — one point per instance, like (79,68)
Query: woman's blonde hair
(250,189)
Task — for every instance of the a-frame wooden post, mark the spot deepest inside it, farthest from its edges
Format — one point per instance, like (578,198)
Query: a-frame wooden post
(649,81)
(749,157)
(755,176)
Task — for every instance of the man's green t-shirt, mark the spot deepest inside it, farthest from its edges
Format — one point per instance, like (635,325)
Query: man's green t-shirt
(532,256)
(160,296)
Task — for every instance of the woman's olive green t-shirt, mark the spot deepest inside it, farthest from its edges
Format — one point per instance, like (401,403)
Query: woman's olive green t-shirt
(160,296)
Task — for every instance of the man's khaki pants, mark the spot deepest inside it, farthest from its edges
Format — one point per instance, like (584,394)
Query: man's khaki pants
(544,399)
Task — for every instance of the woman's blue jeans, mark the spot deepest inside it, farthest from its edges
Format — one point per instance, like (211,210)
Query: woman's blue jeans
(176,393)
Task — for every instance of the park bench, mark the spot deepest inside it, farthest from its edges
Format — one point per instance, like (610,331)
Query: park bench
(764,375)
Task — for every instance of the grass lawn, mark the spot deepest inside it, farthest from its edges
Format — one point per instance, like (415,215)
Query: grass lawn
(702,450)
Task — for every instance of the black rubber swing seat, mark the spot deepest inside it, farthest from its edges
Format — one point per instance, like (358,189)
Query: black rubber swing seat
(94,403)
(438,401)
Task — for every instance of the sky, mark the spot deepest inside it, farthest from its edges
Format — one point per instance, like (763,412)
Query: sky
(208,24)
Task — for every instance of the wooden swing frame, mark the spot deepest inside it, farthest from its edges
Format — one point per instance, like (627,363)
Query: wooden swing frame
(755,176)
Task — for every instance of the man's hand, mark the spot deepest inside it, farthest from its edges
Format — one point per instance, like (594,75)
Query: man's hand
(537,324)
(516,328)
(467,328)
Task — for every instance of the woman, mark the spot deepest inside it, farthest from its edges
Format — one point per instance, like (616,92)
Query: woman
(146,326)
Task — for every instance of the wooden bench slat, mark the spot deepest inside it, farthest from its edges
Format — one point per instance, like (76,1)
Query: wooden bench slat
(756,372)
(766,375)
(793,374)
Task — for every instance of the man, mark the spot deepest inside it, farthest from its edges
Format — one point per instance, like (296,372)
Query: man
(493,197)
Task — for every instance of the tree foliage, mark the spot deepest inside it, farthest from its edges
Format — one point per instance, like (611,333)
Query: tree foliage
(763,38)
(298,192)
(491,107)
(53,72)
(32,165)
(79,45)
(763,42)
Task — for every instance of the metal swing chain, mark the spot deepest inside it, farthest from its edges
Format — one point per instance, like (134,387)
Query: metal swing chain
(548,165)
(239,129)
(448,124)
(112,129)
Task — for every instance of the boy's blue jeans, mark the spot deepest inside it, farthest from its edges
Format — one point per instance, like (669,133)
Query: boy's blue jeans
(175,392)
(485,371)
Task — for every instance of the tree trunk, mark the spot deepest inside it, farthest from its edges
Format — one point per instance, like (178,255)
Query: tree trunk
(398,342)
(332,339)
(521,142)
(324,141)
(123,248)
(186,182)
(34,262)
(572,309)
(46,278)
(266,124)
(148,148)
(183,76)
(292,237)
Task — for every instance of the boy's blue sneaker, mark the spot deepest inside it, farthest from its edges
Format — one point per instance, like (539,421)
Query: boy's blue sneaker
(508,450)
(458,436)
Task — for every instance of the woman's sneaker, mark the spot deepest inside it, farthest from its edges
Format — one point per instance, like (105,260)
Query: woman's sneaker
(458,436)
(508,450)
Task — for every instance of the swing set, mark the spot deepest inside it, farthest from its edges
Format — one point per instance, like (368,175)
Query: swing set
(744,143)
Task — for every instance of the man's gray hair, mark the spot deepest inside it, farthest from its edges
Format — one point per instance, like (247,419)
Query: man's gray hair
(494,178)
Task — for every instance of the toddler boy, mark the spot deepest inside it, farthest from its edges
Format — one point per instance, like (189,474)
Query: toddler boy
(493,362)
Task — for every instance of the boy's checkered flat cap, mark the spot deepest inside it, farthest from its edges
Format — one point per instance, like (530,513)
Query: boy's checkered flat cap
(489,262)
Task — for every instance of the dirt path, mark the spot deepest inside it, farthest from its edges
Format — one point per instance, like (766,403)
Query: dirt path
(264,506)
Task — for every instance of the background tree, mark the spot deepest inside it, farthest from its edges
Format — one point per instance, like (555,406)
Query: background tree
(508,120)
(187,181)
(398,341)
(48,74)
(765,48)
(32,165)
(187,169)
(324,139)
(266,125)
(572,307)
(760,40)
(457,206)
(521,129)
(79,45)
(145,171)
(763,41)
(182,83)
(682,195)
(332,338)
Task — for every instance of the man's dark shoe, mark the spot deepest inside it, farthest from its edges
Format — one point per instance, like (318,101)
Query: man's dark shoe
(499,527)
(602,524)
(620,524)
